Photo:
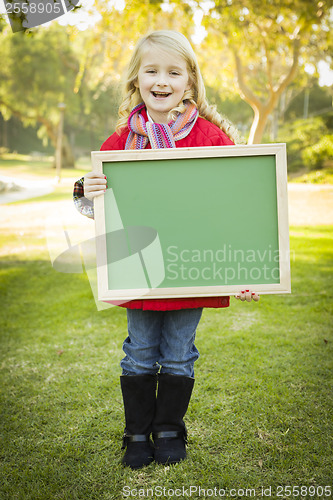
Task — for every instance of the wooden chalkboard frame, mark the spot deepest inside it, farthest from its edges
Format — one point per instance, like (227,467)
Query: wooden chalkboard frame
(105,160)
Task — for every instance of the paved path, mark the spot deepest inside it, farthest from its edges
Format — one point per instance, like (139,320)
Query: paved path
(310,204)
(27,188)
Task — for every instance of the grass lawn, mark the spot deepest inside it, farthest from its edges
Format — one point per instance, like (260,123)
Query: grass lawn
(261,411)
(17,165)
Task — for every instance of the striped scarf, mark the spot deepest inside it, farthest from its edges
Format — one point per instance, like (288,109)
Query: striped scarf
(159,135)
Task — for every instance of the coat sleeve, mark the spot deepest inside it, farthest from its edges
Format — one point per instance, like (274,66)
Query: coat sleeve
(82,204)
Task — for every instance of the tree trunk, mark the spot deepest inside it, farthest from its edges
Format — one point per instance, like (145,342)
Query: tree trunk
(261,109)
(68,160)
(261,115)
(67,156)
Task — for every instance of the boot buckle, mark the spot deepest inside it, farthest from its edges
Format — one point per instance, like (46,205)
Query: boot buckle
(171,435)
(134,438)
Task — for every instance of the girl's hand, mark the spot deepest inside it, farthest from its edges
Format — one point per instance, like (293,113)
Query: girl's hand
(247,295)
(94,185)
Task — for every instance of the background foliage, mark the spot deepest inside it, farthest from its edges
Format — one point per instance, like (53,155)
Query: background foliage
(253,56)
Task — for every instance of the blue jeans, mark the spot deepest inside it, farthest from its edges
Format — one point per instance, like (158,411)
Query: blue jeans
(161,340)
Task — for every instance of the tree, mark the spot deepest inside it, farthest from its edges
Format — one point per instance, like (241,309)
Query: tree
(48,66)
(268,41)
(37,73)
(45,66)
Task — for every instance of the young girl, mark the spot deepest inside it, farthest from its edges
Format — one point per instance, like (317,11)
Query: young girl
(164,106)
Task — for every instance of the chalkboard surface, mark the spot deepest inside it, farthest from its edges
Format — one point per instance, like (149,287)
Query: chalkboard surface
(194,225)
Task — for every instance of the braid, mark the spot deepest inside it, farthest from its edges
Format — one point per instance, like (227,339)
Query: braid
(211,114)
(180,108)
(130,100)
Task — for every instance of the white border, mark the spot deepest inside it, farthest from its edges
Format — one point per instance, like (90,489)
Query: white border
(279,150)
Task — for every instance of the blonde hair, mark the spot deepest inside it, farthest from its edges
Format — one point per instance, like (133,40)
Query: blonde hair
(178,43)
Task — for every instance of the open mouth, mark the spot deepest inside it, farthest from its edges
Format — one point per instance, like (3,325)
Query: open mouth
(161,94)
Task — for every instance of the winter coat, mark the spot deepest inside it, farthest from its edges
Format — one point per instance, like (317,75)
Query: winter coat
(203,133)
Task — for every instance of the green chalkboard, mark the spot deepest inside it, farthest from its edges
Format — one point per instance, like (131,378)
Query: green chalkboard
(195,225)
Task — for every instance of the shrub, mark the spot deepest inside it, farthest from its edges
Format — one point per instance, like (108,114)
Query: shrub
(318,155)
(299,136)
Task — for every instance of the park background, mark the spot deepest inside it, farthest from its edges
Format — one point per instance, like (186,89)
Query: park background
(261,413)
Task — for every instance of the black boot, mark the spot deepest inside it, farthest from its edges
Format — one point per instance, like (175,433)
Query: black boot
(139,395)
(169,431)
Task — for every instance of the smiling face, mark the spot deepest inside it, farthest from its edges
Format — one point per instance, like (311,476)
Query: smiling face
(162,80)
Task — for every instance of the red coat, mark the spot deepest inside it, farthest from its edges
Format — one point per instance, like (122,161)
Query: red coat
(204,133)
